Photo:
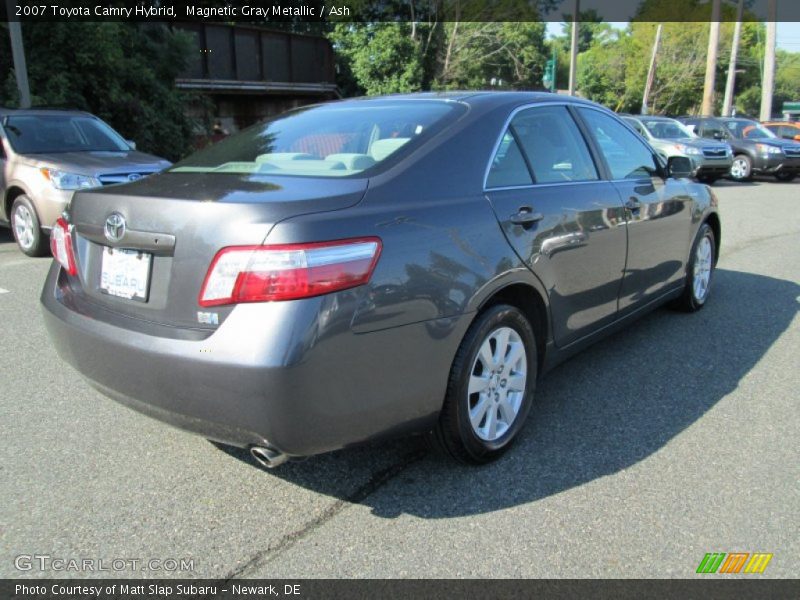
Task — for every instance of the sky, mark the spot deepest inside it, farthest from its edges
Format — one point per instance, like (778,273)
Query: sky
(788,34)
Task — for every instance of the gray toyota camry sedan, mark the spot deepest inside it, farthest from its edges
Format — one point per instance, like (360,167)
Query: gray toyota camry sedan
(376,267)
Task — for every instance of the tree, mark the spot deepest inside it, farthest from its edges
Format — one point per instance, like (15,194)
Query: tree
(122,72)
(377,58)
(476,53)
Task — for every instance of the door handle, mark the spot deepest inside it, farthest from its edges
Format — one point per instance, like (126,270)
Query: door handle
(526,216)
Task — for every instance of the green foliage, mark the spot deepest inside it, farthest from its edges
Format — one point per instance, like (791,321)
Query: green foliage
(122,72)
(378,58)
(601,74)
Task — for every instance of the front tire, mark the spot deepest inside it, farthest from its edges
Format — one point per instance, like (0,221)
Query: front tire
(491,386)
(700,271)
(26,228)
(708,179)
(742,168)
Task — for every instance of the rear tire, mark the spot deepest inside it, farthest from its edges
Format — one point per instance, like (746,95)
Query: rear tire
(785,176)
(708,179)
(742,168)
(699,271)
(491,386)
(26,228)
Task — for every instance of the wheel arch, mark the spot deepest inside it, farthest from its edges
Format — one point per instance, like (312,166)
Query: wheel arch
(713,221)
(527,299)
(13,192)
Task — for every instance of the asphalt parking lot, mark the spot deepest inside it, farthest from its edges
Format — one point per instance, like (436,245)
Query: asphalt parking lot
(672,439)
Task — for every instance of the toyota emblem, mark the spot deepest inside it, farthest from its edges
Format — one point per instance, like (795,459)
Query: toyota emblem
(115,227)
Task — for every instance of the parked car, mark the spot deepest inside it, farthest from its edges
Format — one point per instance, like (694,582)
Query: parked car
(757,151)
(788,130)
(45,155)
(374,267)
(710,160)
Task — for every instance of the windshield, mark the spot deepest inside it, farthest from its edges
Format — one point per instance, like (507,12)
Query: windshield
(749,129)
(667,129)
(333,140)
(40,134)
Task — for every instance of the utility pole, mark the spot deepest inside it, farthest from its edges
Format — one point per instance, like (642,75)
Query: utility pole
(727,104)
(18,52)
(573,55)
(651,72)
(711,59)
(768,82)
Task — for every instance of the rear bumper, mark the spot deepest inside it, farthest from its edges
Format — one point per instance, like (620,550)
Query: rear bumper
(289,375)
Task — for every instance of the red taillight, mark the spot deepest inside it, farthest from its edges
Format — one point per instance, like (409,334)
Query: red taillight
(288,272)
(61,245)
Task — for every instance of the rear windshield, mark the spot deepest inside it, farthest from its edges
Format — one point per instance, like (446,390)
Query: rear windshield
(40,134)
(332,140)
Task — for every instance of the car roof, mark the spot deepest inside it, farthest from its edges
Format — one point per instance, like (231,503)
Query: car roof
(654,117)
(5,112)
(473,97)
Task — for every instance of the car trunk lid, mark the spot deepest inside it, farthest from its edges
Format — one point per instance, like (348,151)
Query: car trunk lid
(143,249)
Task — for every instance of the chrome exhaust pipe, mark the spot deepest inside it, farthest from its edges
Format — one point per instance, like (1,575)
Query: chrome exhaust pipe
(268,457)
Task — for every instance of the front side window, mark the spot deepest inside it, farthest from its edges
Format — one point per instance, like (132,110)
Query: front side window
(625,153)
(333,140)
(40,134)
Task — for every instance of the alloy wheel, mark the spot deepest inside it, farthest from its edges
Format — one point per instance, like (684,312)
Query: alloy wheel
(23,226)
(497,384)
(739,169)
(702,269)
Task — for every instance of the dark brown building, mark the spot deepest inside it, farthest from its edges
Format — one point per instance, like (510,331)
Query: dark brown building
(247,73)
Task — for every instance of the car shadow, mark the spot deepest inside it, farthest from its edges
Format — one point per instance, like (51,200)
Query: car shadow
(610,407)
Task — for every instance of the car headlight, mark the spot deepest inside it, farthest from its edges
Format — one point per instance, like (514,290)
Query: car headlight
(684,149)
(62,180)
(768,149)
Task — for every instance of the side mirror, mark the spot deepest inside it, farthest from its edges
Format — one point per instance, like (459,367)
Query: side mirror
(679,167)
(131,143)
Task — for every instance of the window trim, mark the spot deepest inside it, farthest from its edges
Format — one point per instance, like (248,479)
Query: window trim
(598,166)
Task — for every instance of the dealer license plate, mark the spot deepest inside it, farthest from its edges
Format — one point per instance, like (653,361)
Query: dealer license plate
(126,273)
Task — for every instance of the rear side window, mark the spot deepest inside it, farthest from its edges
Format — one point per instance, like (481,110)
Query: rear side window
(553,145)
(508,167)
(333,140)
(547,140)
(625,153)
(713,130)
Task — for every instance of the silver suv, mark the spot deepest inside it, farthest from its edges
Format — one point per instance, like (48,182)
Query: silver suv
(711,159)
(45,155)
